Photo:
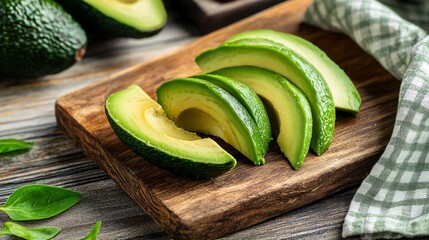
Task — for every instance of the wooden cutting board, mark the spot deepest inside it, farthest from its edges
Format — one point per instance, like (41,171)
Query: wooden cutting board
(202,209)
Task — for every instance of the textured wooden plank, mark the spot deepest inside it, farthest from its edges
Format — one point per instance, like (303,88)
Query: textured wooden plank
(295,224)
(104,201)
(197,209)
(27,112)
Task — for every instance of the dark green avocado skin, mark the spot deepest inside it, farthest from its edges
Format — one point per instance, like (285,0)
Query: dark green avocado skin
(37,38)
(98,25)
(179,166)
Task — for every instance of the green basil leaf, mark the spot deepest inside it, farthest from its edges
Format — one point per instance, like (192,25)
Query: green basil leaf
(11,228)
(12,145)
(33,202)
(92,235)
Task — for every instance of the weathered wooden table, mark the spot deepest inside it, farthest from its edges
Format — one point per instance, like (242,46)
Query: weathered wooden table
(27,112)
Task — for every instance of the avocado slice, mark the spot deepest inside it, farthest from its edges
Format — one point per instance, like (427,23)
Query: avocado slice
(141,124)
(272,56)
(345,95)
(250,101)
(38,38)
(290,112)
(118,18)
(200,106)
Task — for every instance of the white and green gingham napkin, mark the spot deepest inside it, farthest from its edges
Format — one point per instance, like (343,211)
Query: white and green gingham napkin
(393,201)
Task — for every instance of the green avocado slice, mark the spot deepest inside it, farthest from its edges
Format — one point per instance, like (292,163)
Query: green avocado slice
(118,18)
(200,106)
(345,95)
(268,55)
(290,112)
(248,98)
(143,15)
(141,124)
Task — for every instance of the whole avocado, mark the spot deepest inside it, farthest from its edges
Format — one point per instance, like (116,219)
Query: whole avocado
(37,38)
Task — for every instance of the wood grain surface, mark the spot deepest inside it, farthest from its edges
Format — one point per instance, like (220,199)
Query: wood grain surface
(27,112)
(200,209)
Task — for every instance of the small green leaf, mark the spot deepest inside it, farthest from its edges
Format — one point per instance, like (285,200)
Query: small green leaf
(11,228)
(33,202)
(12,145)
(92,235)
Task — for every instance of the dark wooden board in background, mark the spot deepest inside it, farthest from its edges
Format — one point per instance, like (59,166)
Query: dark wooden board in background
(209,15)
(200,209)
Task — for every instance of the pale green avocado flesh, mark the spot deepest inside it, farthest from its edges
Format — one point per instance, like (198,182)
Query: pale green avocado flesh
(345,95)
(256,52)
(200,106)
(290,110)
(143,15)
(141,124)
(248,98)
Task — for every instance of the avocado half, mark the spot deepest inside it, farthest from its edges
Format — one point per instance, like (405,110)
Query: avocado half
(273,56)
(345,95)
(38,38)
(290,112)
(141,124)
(250,101)
(118,18)
(200,106)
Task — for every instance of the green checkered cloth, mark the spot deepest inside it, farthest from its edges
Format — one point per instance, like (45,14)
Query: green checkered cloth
(393,201)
